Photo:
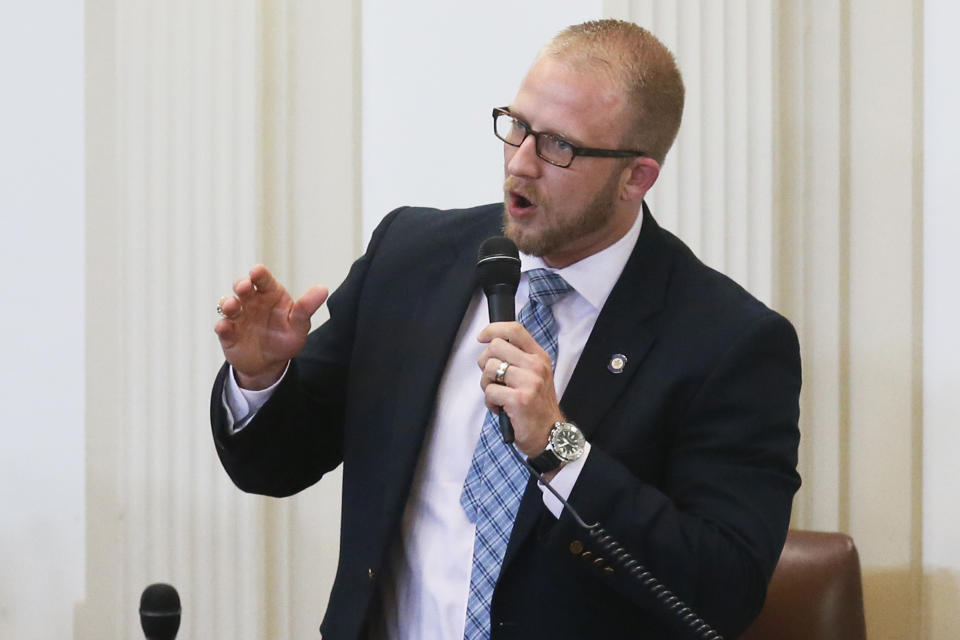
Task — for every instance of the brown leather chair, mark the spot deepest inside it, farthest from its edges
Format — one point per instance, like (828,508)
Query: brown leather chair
(816,592)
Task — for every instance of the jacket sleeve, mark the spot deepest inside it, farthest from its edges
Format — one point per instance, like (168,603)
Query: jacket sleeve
(712,527)
(297,436)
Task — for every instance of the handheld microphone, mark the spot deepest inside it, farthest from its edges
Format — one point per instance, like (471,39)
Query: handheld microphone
(498,272)
(160,612)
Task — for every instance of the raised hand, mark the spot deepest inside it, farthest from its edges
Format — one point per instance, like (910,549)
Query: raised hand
(262,327)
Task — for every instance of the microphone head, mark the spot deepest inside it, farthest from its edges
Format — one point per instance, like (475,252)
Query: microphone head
(498,263)
(160,612)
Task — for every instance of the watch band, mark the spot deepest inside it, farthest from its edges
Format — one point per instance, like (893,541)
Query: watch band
(546,461)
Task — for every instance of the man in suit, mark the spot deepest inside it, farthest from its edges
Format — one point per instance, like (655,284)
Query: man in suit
(656,394)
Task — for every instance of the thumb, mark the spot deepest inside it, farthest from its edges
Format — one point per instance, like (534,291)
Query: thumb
(307,305)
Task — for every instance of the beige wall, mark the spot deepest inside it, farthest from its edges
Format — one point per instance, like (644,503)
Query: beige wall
(798,171)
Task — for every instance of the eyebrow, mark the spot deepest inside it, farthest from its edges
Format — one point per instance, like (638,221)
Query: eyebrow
(574,140)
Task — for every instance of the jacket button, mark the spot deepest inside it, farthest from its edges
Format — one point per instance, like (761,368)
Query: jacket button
(576,547)
(371,574)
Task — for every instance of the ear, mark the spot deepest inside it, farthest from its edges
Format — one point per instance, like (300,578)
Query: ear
(638,177)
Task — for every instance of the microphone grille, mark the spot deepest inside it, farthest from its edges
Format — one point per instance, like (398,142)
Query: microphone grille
(159,599)
(498,262)
(160,612)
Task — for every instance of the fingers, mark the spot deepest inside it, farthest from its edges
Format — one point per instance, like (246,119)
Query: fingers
(307,305)
(526,390)
(226,331)
(262,280)
(259,280)
(530,377)
(230,307)
(500,350)
(260,293)
(530,401)
(510,342)
(512,332)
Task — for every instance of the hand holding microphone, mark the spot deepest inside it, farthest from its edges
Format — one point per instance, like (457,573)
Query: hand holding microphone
(517,374)
(498,272)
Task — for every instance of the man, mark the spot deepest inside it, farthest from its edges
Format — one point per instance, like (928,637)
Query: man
(658,396)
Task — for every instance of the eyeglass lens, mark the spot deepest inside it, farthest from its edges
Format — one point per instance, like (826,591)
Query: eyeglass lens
(551,148)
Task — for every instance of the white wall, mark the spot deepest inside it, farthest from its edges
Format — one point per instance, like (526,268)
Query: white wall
(442,68)
(42,319)
(941,311)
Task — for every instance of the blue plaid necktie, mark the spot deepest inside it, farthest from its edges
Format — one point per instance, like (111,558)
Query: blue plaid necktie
(495,482)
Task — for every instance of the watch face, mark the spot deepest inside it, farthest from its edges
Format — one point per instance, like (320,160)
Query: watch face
(568,442)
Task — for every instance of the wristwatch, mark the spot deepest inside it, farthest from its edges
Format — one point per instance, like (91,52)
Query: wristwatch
(565,445)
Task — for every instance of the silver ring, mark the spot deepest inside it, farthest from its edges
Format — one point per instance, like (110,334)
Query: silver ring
(502,372)
(220,308)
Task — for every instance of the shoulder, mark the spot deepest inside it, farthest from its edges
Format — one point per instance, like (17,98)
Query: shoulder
(421,223)
(410,236)
(709,309)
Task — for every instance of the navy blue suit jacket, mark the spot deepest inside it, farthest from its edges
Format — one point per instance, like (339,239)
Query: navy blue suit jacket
(694,443)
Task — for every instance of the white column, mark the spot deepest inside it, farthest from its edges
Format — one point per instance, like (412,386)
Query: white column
(224,134)
(173,132)
(713,192)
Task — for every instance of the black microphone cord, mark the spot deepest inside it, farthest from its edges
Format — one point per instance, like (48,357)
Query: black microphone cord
(613,550)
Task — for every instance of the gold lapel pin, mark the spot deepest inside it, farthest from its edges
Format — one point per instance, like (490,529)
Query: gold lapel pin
(617,362)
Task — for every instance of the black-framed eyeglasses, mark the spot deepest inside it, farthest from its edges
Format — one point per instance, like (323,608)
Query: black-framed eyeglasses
(550,147)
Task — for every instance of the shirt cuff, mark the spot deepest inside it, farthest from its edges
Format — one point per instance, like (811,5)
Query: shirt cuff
(563,483)
(244,402)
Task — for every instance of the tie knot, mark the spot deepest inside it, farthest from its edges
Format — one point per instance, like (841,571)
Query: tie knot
(546,287)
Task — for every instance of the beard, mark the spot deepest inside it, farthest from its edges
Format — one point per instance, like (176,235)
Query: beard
(561,231)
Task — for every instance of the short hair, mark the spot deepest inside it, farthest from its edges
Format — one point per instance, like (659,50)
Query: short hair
(643,67)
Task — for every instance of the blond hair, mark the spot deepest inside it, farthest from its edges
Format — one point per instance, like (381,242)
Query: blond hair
(643,67)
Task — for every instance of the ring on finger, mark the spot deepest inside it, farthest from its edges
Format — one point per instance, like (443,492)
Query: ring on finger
(220,308)
(502,372)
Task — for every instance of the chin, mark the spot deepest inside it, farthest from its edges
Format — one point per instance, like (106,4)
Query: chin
(527,241)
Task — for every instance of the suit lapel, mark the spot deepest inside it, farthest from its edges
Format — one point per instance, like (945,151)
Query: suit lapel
(622,329)
(429,336)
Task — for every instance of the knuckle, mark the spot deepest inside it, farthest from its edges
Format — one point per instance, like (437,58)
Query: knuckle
(543,368)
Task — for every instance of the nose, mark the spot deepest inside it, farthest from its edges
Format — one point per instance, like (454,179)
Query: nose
(522,160)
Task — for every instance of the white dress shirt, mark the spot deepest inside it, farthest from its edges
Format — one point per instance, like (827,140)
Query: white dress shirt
(426,591)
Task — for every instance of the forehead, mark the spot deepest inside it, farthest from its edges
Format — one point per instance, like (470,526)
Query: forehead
(581,104)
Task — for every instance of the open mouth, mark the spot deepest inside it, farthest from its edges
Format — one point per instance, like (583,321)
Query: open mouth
(519,202)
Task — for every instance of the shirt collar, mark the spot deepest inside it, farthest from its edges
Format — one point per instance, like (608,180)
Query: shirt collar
(594,276)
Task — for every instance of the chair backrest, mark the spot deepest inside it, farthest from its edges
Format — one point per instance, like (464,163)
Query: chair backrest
(816,592)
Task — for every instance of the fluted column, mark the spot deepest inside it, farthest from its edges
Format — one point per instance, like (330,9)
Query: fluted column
(174,156)
(716,187)
(217,132)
